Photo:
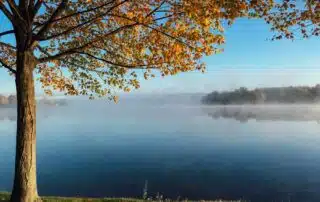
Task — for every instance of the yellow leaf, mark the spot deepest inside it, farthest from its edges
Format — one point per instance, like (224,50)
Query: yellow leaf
(206,22)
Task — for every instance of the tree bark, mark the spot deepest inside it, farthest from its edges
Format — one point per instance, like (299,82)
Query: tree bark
(25,180)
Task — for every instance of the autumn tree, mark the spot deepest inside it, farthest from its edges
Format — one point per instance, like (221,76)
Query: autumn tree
(95,47)
(292,19)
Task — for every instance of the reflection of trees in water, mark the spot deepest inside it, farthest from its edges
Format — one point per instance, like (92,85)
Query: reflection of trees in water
(237,115)
(11,114)
(8,107)
(10,118)
(8,113)
(265,113)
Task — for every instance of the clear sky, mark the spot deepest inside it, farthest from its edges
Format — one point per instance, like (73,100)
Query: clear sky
(249,60)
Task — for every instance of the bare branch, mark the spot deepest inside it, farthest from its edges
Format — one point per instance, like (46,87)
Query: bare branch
(7,12)
(15,9)
(6,32)
(35,7)
(38,5)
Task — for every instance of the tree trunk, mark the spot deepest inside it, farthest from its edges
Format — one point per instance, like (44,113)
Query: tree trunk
(25,180)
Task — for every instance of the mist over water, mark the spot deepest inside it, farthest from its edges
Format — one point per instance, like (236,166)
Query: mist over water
(266,112)
(97,148)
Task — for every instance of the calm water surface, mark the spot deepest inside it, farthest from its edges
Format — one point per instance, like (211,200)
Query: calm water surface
(97,149)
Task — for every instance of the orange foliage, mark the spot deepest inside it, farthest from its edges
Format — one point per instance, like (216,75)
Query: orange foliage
(105,45)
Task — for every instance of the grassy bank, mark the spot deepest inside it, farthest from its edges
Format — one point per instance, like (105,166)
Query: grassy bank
(4,197)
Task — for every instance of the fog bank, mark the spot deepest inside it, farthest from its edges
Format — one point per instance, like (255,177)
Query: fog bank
(268,112)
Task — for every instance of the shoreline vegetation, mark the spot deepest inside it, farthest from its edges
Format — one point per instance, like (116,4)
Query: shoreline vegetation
(5,196)
(11,101)
(274,95)
(300,103)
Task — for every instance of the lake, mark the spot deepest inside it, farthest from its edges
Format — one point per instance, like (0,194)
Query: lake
(178,146)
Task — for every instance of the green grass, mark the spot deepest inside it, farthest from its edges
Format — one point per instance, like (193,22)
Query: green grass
(4,197)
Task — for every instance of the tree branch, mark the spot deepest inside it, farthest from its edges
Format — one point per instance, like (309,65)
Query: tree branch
(35,7)
(57,56)
(110,62)
(38,5)
(8,45)
(101,37)
(110,52)
(6,32)
(57,12)
(157,8)
(7,67)
(143,66)
(157,30)
(7,13)
(44,38)
(23,4)
(137,66)
(72,50)
(71,63)
(82,67)
(74,14)
(15,9)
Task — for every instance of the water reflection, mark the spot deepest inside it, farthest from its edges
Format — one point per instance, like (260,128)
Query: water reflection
(241,113)
(10,113)
(244,113)
(111,150)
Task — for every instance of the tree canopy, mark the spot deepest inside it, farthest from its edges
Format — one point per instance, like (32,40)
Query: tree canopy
(88,47)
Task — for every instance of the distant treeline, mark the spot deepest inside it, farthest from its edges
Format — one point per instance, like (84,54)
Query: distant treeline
(12,100)
(300,94)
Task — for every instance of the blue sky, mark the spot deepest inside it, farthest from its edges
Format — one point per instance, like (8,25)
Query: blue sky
(249,60)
